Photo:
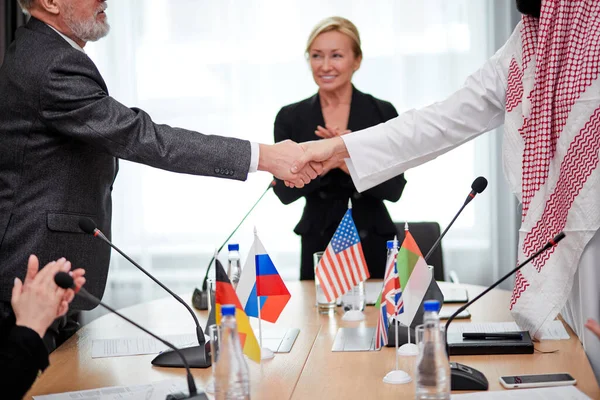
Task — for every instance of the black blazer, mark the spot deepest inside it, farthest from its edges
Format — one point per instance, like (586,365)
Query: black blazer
(327,197)
(61,135)
(22,355)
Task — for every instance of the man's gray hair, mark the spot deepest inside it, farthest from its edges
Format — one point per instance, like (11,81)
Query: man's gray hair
(26,5)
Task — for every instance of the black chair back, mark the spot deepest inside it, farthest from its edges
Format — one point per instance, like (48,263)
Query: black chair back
(425,234)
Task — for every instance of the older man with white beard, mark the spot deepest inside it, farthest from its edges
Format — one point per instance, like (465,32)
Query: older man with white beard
(60,140)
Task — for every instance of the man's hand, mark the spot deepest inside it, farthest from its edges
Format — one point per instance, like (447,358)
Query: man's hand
(593,326)
(328,152)
(38,301)
(278,158)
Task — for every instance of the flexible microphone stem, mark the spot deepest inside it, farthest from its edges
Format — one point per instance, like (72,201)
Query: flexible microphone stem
(205,281)
(65,281)
(437,242)
(478,186)
(190,378)
(199,332)
(551,243)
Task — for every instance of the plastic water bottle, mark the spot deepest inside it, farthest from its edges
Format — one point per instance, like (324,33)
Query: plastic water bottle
(391,246)
(234,268)
(433,367)
(232,380)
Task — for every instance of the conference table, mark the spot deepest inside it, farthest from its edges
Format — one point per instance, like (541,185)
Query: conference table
(310,370)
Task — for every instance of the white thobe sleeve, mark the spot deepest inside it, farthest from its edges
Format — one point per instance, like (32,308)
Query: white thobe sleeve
(417,136)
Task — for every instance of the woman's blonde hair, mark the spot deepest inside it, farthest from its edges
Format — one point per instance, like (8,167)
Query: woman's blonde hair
(337,24)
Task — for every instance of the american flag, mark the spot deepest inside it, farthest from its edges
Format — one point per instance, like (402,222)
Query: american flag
(343,264)
(388,301)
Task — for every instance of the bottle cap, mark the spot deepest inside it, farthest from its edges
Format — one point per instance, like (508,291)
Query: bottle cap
(233,247)
(431,305)
(228,309)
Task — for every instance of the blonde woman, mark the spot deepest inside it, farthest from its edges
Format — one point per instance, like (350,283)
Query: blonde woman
(334,55)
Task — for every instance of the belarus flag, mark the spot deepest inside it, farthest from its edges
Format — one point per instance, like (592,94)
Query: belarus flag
(260,279)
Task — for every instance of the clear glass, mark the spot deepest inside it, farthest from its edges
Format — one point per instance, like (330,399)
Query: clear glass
(323,306)
(231,376)
(214,334)
(355,299)
(432,373)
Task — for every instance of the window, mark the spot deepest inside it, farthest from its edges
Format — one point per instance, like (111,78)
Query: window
(227,67)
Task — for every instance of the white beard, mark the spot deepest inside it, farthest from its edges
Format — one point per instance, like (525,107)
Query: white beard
(87,31)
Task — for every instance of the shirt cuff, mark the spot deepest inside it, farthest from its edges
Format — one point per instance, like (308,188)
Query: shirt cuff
(254,153)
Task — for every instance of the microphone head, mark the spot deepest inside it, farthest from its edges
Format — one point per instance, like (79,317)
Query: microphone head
(479,184)
(64,280)
(87,225)
(558,237)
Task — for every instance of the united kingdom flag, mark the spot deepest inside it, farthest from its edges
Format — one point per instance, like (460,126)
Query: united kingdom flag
(389,300)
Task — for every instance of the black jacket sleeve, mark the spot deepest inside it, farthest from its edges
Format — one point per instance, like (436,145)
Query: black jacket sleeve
(22,355)
(283,131)
(392,189)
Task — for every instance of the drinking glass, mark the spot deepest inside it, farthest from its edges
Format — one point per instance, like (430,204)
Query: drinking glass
(323,306)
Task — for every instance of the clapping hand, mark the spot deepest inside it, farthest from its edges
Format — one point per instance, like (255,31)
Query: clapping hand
(38,301)
(329,131)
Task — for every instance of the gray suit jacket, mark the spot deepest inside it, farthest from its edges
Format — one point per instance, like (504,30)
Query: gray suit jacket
(61,135)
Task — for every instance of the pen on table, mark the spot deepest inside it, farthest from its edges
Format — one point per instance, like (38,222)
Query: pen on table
(495,335)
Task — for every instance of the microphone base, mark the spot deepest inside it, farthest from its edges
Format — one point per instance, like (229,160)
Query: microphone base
(200,299)
(196,356)
(463,377)
(183,396)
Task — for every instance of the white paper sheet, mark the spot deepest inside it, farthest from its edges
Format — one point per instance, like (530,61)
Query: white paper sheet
(151,391)
(555,330)
(138,345)
(549,393)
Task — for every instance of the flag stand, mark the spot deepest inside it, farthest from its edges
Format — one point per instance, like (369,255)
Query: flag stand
(407,349)
(397,376)
(265,352)
(353,315)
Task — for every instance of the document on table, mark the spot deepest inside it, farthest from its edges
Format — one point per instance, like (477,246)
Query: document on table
(138,345)
(554,330)
(549,393)
(151,391)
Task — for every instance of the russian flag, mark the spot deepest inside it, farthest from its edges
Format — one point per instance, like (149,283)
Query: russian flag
(260,278)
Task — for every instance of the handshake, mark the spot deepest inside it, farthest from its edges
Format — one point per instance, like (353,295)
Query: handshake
(299,163)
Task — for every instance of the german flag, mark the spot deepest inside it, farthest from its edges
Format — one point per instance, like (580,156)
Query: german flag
(225,294)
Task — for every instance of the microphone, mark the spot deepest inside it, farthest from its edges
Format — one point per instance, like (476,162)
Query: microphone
(200,297)
(434,291)
(197,355)
(478,186)
(468,378)
(65,281)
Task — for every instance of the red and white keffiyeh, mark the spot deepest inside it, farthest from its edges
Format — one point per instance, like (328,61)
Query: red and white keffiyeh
(551,150)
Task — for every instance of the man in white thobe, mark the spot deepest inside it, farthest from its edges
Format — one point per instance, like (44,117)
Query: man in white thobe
(544,86)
